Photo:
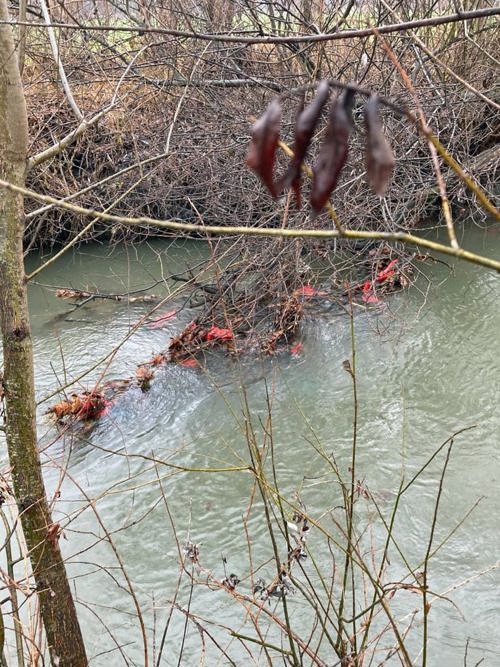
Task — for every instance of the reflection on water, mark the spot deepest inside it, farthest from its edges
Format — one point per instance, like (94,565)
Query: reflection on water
(427,366)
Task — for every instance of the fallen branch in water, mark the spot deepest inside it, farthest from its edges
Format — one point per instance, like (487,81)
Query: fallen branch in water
(207,333)
(68,293)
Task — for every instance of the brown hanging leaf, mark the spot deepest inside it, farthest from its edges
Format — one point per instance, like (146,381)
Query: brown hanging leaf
(347,99)
(262,152)
(379,156)
(305,125)
(333,152)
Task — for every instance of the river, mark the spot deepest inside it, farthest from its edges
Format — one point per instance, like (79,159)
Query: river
(427,366)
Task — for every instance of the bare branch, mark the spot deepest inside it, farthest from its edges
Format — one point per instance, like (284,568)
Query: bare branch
(220,230)
(54,150)
(57,58)
(289,39)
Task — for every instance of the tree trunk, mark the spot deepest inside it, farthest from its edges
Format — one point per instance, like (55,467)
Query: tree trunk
(57,607)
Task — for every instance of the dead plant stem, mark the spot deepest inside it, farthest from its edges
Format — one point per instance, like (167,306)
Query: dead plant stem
(18,628)
(425,589)
(350,368)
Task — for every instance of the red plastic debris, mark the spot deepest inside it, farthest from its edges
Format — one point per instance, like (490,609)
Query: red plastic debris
(216,333)
(296,348)
(388,272)
(306,290)
(367,285)
(368,295)
(160,321)
(370,298)
(189,363)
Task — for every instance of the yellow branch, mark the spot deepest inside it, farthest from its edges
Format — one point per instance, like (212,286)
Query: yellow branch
(270,232)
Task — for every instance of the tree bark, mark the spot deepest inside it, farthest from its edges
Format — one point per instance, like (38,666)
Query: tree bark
(57,607)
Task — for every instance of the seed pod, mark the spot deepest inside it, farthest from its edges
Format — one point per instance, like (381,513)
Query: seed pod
(305,125)
(333,152)
(379,156)
(262,151)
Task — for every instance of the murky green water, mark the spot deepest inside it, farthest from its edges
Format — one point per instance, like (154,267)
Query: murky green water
(427,366)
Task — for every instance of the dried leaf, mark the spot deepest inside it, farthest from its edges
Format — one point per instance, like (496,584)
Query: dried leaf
(230,582)
(145,298)
(53,533)
(61,409)
(94,405)
(346,365)
(88,405)
(262,152)
(379,156)
(333,152)
(305,125)
(144,375)
(347,98)
(157,360)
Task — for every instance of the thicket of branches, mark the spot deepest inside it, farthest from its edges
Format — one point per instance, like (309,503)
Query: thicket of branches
(195,100)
